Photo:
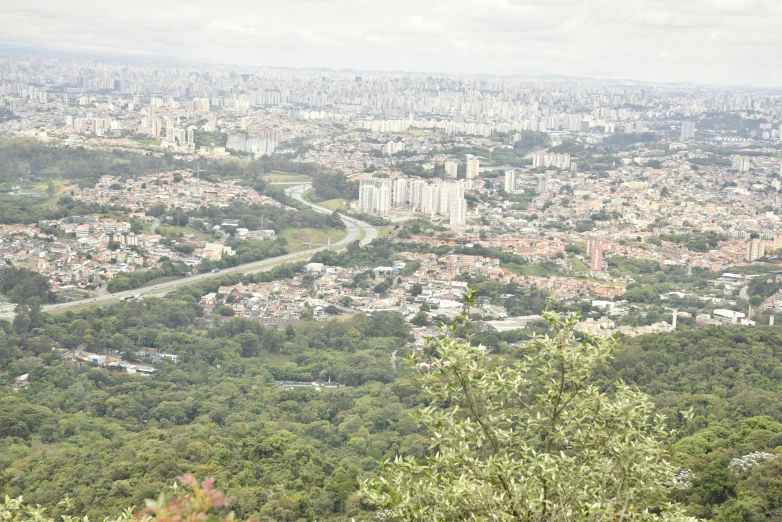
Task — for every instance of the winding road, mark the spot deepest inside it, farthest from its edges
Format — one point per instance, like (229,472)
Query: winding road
(354,228)
(353,224)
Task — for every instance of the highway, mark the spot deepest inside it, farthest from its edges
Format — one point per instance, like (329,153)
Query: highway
(297,191)
(354,227)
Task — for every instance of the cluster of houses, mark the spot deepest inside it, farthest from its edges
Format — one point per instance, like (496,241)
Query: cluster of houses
(175,190)
(91,250)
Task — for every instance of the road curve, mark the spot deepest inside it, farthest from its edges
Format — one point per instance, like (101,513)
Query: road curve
(354,227)
(370,232)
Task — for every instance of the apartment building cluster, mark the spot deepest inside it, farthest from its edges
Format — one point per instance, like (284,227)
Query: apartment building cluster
(551,160)
(434,198)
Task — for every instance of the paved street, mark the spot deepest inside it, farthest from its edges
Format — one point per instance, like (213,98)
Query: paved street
(354,227)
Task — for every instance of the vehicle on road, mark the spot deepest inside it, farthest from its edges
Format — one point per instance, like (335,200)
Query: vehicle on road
(215,270)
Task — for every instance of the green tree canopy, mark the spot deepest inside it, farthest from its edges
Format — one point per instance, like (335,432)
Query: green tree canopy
(536,440)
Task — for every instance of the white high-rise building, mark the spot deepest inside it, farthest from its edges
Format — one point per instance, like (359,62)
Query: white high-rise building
(542,184)
(458,215)
(510,181)
(444,198)
(457,209)
(473,165)
(366,198)
(156,127)
(451,168)
(688,130)
(416,194)
(375,196)
(399,195)
(741,163)
(392,147)
(544,159)
(383,199)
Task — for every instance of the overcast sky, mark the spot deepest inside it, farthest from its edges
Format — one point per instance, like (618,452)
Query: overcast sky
(703,41)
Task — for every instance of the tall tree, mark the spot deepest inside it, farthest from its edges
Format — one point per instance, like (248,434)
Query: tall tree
(535,440)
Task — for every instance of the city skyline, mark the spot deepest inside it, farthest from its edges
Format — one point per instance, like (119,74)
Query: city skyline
(661,42)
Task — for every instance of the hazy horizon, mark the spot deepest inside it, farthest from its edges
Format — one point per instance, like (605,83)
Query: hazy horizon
(659,41)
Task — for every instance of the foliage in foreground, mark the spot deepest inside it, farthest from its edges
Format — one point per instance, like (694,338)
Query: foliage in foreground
(181,504)
(533,441)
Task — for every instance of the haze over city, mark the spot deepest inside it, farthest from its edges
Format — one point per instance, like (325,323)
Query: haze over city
(733,42)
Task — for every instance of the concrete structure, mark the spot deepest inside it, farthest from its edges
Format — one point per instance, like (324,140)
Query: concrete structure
(510,181)
(451,168)
(688,130)
(473,167)
(512,323)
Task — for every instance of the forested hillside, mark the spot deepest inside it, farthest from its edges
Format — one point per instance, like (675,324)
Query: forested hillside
(28,160)
(109,441)
(289,454)
(731,379)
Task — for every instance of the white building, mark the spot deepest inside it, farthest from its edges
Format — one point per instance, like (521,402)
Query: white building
(374,196)
(451,168)
(510,181)
(546,160)
(473,165)
(688,130)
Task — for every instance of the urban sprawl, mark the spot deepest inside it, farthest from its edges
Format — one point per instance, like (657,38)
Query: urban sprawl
(542,188)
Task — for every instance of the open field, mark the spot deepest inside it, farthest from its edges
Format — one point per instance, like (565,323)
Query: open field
(297,237)
(333,204)
(286,177)
(44,185)
(172,232)
(578,265)
(330,204)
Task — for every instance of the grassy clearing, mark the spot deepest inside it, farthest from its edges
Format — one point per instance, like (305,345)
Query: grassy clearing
(265,268)
(330,204)
(44,185)
(287,177)
(159,280)
(578,265)
(383,232)
(276,359)
(296,237)
(333,204)
(171,232)
(80,308)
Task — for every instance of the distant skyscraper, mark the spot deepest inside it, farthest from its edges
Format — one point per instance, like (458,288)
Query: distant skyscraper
(510,181)
(366,198)
(458,213)
(688,130)
(542,184)
(757,249)
(457,206)
(741,163)
(472,167)
(399,195)
(546,159)
(374,196)
(450,169)
(595,248)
